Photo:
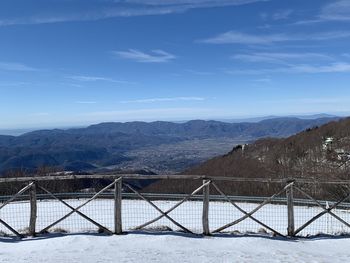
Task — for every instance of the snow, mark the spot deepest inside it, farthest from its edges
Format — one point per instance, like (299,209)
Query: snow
(83,245)
(172,247)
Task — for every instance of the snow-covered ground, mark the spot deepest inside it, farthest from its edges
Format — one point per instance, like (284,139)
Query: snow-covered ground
(172,247)
(189,214)
(157,246)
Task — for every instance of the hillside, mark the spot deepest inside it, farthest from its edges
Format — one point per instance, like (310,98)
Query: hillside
(322,152)
(123,145)
(318,153)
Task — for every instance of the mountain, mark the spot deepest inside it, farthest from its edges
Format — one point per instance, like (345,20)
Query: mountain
(319,153)
(122,145)
(262,118)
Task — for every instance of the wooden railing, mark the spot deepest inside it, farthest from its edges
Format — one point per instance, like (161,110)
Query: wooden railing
(203,193)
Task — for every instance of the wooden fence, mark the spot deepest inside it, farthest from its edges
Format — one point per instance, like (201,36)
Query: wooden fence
(219,212)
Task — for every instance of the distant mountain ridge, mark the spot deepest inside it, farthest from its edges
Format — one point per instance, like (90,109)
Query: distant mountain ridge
(276,127)
(262,118)
(107,144)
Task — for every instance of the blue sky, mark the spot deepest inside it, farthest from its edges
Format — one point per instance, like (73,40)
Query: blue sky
(76,62)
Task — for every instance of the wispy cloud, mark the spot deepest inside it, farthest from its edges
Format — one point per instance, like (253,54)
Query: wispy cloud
(262,80)
(235,37)
(280,58)
(190,3)
(279,15)
(338,67)
(332,68)
(282,14)
(86,102)
(320,100)
(335,11)
(95,78)
(170,99)
(39,114)
(157,56)
(13,83)
(338,10)
(97,10)
(200,73)
(153,114)
(11,66)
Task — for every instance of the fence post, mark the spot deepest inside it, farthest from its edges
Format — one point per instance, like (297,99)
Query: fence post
(205,215)
(118,207)
(290,207)
(33,209)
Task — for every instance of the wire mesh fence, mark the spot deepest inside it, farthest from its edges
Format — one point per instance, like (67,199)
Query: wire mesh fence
(329,215)
(287,208)
(17,214)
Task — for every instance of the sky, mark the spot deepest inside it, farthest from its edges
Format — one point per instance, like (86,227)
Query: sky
(78,62)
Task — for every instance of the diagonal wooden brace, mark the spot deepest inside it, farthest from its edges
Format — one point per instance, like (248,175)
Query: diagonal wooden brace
(10,228)
(165,214)
(246,214)
(325,211)
(80,206)
(23,190)
(78,212)
(20,192)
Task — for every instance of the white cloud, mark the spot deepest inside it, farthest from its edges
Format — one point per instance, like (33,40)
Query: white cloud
(95,78)
(337,10)
(200,73)
(307,22)
(327,100)
(86,102)
(262,80)
(279,15)
(332,68)
(39,114)
(157,56)
(279,58)
(338,67)
(235,37)
(97,10)
(14,83)
(10,66)
(189,3)
(153,100)
(151,114)
(282,14)
(328,35)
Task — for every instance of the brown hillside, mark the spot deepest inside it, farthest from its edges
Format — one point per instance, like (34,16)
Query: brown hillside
(319,153)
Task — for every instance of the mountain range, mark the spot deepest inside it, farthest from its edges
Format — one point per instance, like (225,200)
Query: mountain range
(122,145)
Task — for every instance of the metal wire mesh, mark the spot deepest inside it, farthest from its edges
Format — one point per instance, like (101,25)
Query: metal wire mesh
(314,204)
(16,214)
(138,212)
(326,224)
(231,210)
(100,210)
